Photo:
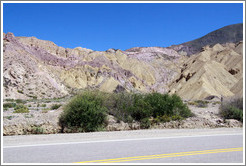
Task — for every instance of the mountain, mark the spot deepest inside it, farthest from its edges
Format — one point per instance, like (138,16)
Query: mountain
(228,34)
(37,68)
(34,68)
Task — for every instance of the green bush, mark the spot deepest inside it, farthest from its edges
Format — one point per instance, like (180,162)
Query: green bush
(9,105)
(84,113)
(118,105)
(145,123)
(21,109)
(163,118)
(140,109)
(158,103)
(177,117)
(232,109)
(37,130)
(164,104)
(128,106)
(55,106)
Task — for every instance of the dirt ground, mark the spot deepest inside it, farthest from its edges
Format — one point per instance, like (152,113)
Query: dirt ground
(43,120)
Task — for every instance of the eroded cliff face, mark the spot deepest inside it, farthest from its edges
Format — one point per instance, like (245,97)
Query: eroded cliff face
(215,71)
(36,68)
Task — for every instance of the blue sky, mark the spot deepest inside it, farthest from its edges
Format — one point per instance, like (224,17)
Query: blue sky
(121,26)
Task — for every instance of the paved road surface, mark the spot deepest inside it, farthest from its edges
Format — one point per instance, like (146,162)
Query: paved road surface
(144,146)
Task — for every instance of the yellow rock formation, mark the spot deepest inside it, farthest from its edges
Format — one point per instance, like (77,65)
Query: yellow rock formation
(109,85)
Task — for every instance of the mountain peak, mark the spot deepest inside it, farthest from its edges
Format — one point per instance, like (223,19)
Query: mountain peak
(228,34)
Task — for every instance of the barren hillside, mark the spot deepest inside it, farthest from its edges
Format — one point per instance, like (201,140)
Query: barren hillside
(36,68)
(216,71)
(228,34)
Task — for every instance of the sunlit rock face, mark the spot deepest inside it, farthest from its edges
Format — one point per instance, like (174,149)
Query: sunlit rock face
(34,68)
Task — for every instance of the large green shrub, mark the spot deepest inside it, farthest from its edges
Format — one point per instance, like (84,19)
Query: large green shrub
(140,109)
(168,105)
(118,105)
(179,108)
(128,107)
(84,113)
(158,103)
(232,109)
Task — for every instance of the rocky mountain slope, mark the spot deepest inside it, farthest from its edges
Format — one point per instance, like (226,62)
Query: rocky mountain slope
(216,71)
(228,34)
(36,68)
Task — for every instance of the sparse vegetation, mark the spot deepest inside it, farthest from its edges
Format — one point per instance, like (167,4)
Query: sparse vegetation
(19,101)
(216,102)
(10,100)
(21,109)
(20,91)
(9,105)
(31,95)
(55,106)
(37,130)
(28,116)
(45,111)
(8,117)
(199,103)
(232,109)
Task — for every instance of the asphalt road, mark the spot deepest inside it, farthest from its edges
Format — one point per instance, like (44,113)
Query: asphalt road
(146,146)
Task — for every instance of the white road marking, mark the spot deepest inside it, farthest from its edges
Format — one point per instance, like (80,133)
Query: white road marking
(118,140)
